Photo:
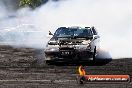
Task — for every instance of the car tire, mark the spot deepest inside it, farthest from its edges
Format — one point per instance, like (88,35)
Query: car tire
(47,62)
(94,55)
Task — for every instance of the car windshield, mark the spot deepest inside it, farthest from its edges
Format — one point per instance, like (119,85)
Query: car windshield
(72,32)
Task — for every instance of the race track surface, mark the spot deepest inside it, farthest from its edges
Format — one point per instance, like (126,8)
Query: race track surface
(24,68)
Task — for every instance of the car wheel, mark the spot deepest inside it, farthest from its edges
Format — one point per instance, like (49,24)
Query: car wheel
(47,62)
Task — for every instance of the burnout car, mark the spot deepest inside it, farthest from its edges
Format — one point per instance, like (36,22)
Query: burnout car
(72,44)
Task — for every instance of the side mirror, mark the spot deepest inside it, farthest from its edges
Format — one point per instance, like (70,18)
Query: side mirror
(95,37)
(50,33)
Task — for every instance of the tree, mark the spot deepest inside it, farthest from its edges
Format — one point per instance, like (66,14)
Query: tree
(31,3)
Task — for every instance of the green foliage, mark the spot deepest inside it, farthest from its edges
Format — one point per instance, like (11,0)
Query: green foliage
(31,3)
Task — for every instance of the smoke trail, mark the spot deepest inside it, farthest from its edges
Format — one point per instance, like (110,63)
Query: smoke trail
(112,18)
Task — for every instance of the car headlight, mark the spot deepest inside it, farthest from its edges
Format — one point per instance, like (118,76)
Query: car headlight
(81,47)
(85,42)
(52,49)
(52,42)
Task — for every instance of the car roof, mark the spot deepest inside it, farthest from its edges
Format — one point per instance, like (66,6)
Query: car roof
(77,27)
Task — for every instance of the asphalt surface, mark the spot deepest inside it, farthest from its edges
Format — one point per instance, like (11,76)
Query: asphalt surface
(24,68)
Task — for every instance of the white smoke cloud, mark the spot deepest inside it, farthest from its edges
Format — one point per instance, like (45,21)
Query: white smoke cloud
(3,10)
(112,18)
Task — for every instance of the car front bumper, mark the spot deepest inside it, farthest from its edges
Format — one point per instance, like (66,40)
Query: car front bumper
(68,55)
